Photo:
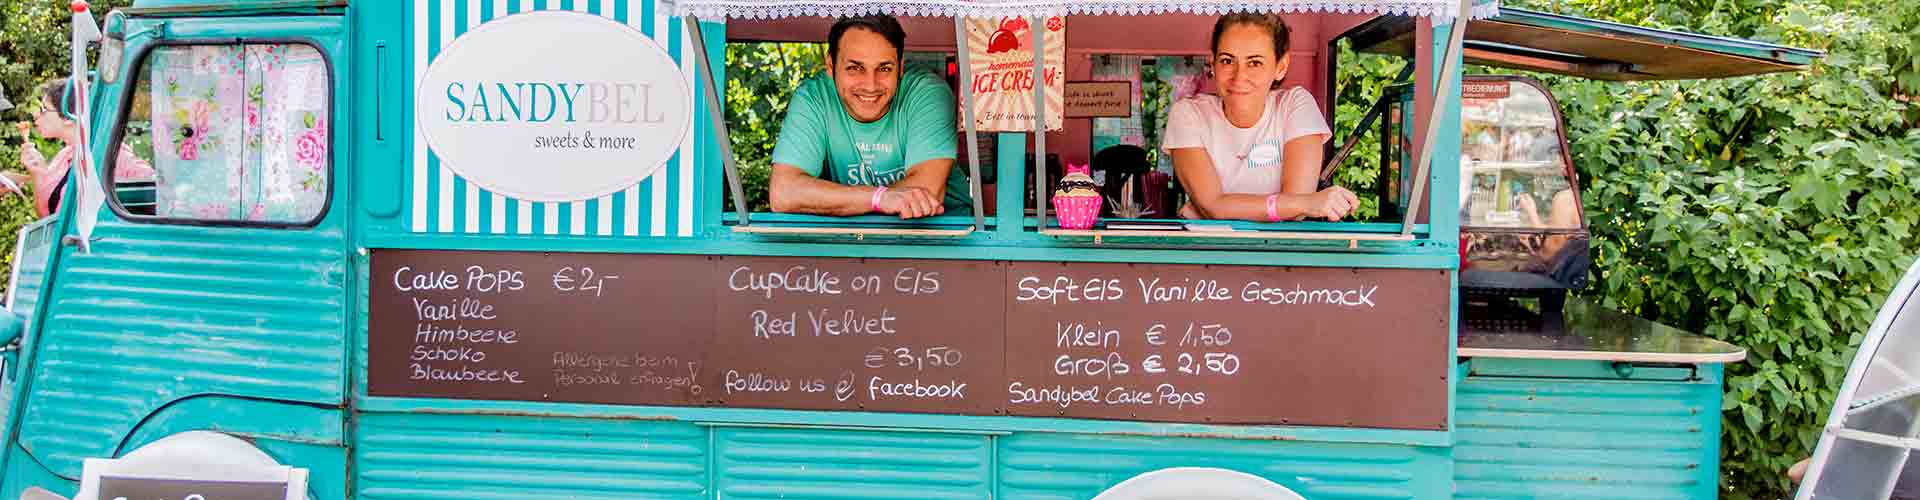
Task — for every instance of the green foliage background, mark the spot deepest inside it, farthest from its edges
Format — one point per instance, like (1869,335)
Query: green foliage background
(760,78)
(33,49)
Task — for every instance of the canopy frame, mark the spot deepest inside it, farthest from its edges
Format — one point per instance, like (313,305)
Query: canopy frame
(710,88)
(967,108)
(1594,49)
(1449,78)
(1836,429)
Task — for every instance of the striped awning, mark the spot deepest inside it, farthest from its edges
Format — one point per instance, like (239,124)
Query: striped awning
(764,9)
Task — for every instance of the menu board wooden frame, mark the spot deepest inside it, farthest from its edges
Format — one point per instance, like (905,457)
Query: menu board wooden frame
(1151,342)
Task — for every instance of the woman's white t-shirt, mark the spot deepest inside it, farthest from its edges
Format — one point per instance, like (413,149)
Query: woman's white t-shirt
(1248,160)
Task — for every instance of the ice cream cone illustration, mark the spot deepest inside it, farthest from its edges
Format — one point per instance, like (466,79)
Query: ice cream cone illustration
(1010,37)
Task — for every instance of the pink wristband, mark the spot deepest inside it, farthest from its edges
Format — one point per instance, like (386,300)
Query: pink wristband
(875,202)
(1273,208)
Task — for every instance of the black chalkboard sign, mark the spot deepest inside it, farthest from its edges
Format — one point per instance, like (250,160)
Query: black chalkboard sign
(588,328)
(1179,343)
(135,488)
(1228,344)
(843,334)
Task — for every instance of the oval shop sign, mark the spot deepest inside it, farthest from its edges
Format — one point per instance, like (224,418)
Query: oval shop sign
(554,106)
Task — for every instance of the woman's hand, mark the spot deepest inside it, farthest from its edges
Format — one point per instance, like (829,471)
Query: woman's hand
(1190,212)
(1332,203)
(30,157)
(1529,209)
(26,130)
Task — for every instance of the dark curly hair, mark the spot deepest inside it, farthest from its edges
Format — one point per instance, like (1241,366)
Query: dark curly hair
(884,25)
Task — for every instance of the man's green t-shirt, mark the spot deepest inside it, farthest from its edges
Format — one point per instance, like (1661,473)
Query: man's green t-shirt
(819,137)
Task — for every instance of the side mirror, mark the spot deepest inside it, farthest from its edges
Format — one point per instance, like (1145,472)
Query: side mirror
(10,326)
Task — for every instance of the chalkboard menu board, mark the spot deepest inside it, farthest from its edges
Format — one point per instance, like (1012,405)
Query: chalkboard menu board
(1177,343)
(590,328)
(891,335)
(1228,344)
(125,488)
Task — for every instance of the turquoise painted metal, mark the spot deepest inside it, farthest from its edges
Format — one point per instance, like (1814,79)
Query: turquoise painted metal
(1746,48)
(262,333)
(1573,429)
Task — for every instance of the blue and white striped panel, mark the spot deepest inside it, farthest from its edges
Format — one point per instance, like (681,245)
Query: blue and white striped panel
(442,202)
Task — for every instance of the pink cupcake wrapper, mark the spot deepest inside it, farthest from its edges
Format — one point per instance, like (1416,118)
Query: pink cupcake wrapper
(1077,212)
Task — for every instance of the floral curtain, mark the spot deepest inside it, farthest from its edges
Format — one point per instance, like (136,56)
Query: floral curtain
(240,132)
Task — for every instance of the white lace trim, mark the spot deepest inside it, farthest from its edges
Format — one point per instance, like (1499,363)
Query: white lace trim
(1440,10)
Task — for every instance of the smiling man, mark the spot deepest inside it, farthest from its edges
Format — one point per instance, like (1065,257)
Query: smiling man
(867,135)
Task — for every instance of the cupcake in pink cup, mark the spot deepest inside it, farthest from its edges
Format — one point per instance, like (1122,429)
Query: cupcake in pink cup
(1077,201)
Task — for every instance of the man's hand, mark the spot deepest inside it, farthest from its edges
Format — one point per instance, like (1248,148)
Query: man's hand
(920,194)
(910,203)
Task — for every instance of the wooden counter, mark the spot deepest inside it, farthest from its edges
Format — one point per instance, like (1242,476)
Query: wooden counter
(1592,333)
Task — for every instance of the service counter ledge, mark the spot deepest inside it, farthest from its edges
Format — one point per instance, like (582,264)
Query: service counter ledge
(1612,405)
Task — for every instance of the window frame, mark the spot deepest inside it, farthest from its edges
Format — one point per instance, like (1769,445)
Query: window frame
(950,225)
(1406,231)
(1567,165)
(130,86)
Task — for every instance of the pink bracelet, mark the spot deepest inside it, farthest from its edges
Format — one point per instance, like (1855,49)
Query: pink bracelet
(875,202)
(1273,207)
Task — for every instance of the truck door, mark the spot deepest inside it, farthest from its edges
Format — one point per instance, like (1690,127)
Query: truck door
(31,246)
(214,294)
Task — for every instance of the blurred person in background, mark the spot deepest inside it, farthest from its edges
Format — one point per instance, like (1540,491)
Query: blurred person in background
(52,120)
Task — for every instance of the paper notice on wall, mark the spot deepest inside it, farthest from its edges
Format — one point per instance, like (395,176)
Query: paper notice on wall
(1108,132)
(1001,53)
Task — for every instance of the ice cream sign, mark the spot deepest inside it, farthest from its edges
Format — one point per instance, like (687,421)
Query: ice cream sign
(1001,51)
(553,106)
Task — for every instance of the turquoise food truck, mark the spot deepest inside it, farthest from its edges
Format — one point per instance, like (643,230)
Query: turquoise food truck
(501,249)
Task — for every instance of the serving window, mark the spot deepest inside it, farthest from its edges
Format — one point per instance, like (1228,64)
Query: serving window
(764,79)
(1121,154)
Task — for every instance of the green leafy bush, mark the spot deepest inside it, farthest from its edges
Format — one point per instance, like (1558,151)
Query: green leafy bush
(1361,79)
(1773,212)
(33,49)
(760,79)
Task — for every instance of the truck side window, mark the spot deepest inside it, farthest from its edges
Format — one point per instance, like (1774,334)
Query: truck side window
(233,133)
(1513,172)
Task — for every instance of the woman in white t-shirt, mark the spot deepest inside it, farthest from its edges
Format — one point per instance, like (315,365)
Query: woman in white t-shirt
(1252,152)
